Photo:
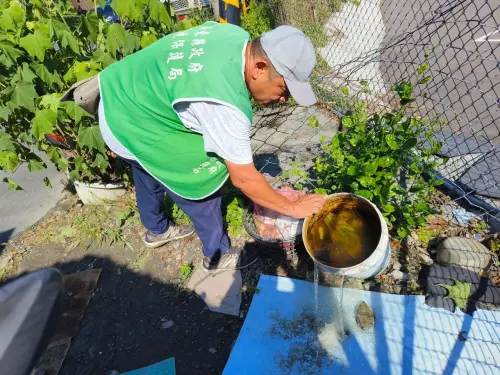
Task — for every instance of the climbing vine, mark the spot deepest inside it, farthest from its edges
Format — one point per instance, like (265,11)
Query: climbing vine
(46,46)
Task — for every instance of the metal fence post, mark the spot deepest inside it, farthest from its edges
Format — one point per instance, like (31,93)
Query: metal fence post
(229,12)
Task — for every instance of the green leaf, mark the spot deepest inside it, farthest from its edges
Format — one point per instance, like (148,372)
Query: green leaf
(459,292)
(12,184)
(9,161)
(363,83)
(385,161)
(371,168)
(46,181)
(409,143)
(63,34)
(367,181)
(344,90)
(12,17)
(91,26)
(35,165)
(417,187)
(43,123)
(158,12)
(391,141)
(49,78)
(437,182)
(6,143)
(403,232)
(421,207)
(424,80)
(127,9)
(422,68)
(347,121)
(365,194)
(100,162)
(414,168)
(36,44)
(103,57)
(388,208)
(10,52)
(116,38)
(50,101)
(23,95)
(4,113)
(75,111)
(91,137)
(82,70)
(24,73)
(352,170)
(404,90)
(132,44)
(147,39)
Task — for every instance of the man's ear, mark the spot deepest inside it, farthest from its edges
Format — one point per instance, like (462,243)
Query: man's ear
(260,67)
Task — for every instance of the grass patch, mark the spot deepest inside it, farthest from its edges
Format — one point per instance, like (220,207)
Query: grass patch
(185,270)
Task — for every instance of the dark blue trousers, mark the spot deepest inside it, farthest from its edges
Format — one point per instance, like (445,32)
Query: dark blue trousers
(205,214)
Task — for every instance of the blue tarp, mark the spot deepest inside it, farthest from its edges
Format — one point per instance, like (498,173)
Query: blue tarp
(280,335)
(166,367)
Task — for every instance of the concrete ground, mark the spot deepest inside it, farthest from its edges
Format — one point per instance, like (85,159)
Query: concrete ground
(20,209)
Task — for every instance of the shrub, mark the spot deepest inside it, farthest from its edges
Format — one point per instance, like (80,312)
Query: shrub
(386,158)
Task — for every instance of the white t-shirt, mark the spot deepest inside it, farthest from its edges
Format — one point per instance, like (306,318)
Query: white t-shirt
(225,130)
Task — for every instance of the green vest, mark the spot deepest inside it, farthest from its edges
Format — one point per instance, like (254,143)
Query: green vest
(204,63)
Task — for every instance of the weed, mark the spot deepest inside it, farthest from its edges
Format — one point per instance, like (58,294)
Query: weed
(233,206)
(480,226)
(185,270)
(174,212)
(252,289)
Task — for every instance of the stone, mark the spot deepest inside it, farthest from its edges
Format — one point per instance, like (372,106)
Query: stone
(399,275)
(463,252)
(398,289)
(365,316)
(396,266)
(189,255)
(369,285)
(353,283)
(212,350)
(426,259)
(168,324)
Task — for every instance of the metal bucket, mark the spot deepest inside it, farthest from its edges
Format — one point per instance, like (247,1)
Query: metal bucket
(379,258)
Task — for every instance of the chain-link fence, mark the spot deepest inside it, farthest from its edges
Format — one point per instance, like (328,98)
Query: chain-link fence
(382,42)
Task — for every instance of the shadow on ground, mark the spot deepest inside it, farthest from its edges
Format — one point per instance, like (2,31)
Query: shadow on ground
(122,326)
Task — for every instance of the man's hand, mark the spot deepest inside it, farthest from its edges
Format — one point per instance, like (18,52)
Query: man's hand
(253,184)
(308,205)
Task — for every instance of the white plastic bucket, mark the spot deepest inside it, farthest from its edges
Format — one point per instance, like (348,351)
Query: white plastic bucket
(98,194)
(378,260)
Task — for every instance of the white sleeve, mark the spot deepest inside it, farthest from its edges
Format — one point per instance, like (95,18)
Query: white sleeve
(226,131)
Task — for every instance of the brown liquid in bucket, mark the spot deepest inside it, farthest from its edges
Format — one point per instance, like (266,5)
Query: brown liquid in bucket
(344,233)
